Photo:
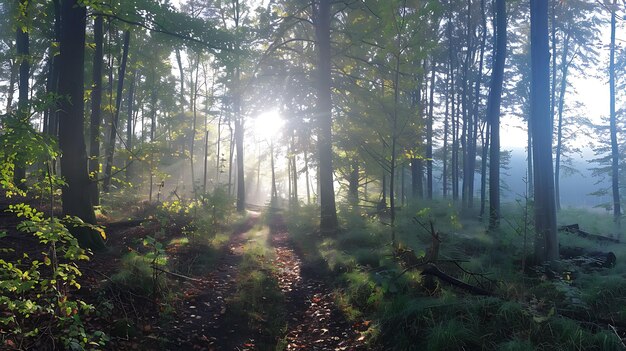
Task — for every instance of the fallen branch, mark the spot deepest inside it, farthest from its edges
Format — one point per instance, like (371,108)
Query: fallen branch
(593,258)
(178,275)
(431,269)
(618,336)
(575,229)
(128,223)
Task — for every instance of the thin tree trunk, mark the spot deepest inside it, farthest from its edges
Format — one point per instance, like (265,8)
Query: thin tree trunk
(483,168)
(192,132)
(129,126)
(181,71)
(467,116)
(12,81)
(493,113)
(559,131)
(108,171)
(444,175)
(353,183)
(96,109)
(22,42)
(613,124)
(429,136)
(553,85)
(274,191)
(306,174)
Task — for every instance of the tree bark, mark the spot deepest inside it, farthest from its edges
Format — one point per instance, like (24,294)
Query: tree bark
(75,195)
(483,169)
(613,124)
(96,111)
(22,42)
(129,125)
(493,114)
(429,136)
(328,211)
(546,244)
(110,148)
(559,130)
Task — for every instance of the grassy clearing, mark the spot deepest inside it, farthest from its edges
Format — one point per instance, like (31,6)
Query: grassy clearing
(412,312)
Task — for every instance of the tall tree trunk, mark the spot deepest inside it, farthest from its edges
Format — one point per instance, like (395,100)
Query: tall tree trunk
(110,148)
(96,104)
(466,136)
(546,244)
(328,211)
(129,125)
(394,142)
(559,131)
(483,168)
(529,159)
(294,170)
(444,175)
(192,132)
(613,124)
(274,191)
(353,183)
(306,173)
(75,194)
(429,135)
(493,114)
(181,71)
(554,68)
(22,42)
(239,132)
(53,118)
(474,141)
(231,156)
(153,107)
(12,81)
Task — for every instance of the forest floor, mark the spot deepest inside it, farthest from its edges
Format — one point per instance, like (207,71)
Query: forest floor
(179,278)
(224,309)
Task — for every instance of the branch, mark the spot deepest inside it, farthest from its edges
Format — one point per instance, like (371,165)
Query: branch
(162,31)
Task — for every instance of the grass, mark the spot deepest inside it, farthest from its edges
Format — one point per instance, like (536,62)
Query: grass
(529,314)
(258,299)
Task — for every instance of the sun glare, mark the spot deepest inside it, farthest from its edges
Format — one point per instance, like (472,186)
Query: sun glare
(268,125)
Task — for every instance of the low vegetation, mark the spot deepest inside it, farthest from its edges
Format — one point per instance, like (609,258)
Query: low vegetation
(564,308)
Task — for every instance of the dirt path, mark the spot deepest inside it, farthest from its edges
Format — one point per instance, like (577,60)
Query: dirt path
(314,321)
(200,323)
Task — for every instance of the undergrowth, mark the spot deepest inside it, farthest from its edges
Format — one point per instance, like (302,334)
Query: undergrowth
(409,312)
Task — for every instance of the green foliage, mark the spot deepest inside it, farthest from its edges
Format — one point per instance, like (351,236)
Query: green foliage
(36,289)
(137,275)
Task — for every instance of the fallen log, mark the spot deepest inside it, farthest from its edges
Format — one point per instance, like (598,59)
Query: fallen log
(128,223)
(575,229)
(431,269)
(590,258)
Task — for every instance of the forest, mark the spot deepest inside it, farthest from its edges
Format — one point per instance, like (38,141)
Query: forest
(312,175)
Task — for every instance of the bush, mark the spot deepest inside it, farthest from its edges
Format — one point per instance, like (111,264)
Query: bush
(35,292)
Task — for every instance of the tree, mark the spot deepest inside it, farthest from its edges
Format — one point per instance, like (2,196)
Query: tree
(96,105)
(75,194)
(613,123)
(22,44)
(546,243)
(114,131)
(493,113)
(328,211)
